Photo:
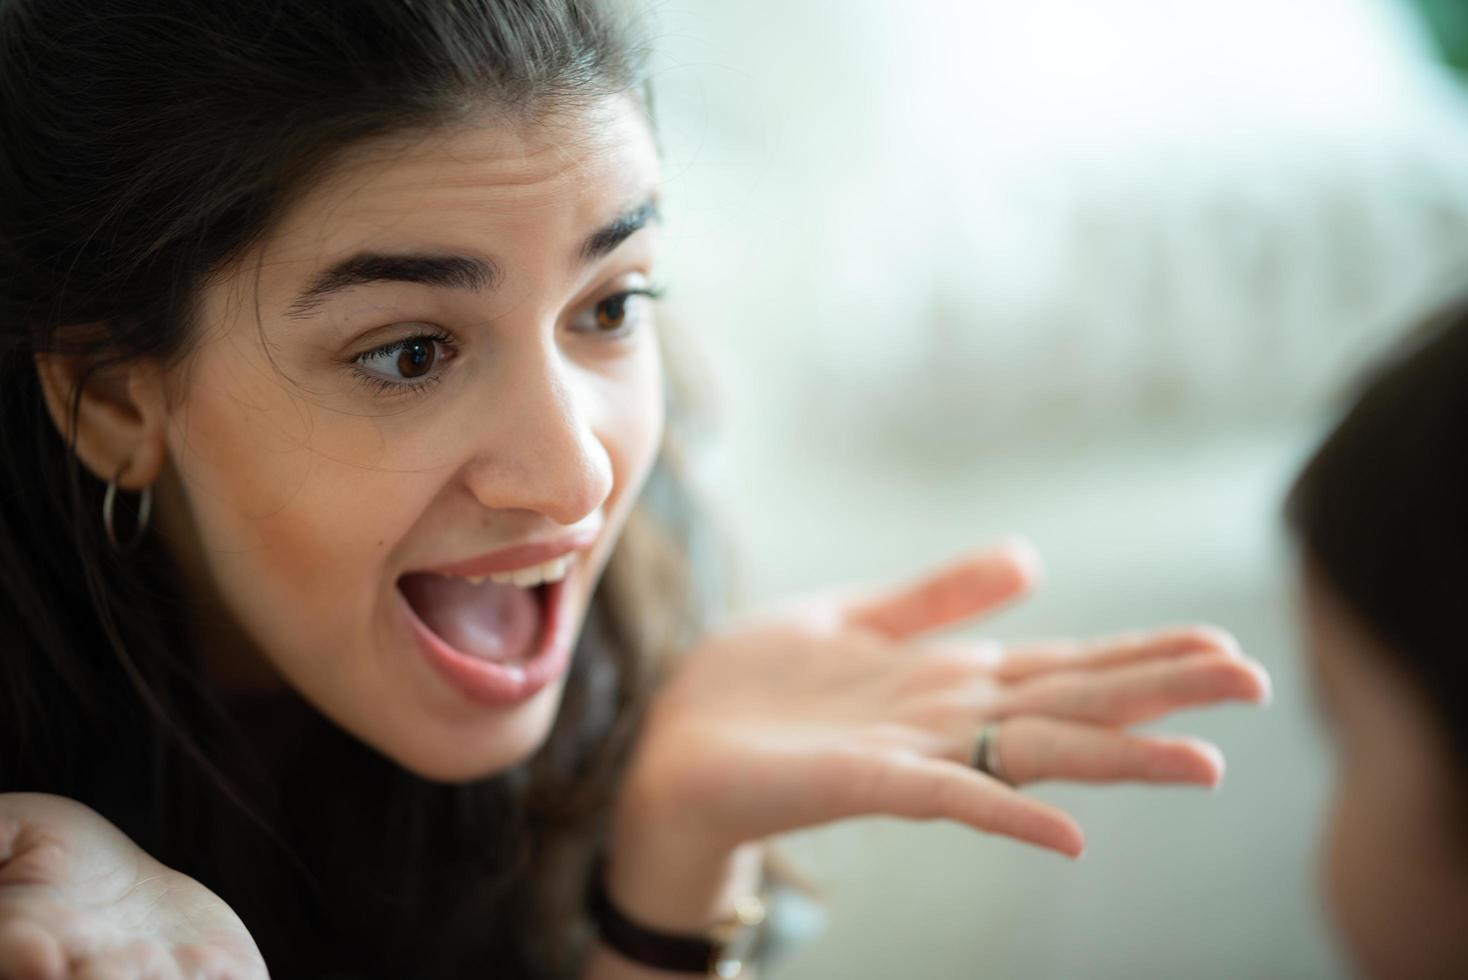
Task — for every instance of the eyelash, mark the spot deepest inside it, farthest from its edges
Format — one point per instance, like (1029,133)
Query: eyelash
(383,386)
(653,293)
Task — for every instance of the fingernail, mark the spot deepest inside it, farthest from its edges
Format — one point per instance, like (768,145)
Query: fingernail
(1215,754)
(1267,685)
(1222,639)
(1184,766)
(1025,555)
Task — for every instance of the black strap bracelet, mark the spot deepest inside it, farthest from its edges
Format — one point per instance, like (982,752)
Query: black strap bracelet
(660,950)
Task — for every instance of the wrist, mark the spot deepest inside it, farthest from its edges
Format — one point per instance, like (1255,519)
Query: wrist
(696,914)
(678,883)
(667,866)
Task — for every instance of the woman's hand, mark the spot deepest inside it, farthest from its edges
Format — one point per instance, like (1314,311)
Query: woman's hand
(79,899)
(838,709)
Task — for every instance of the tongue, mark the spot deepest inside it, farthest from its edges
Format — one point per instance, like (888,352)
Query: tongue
(495,622)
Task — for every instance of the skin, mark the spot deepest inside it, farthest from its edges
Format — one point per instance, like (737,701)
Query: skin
(870,718)
(296,494)
(293,497)
(78,899)
(874,715)
(1394,860)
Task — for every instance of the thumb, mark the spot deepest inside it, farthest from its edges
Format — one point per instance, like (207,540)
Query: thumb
(958,591)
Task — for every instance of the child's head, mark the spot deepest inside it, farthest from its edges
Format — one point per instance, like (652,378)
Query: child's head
(1382,514)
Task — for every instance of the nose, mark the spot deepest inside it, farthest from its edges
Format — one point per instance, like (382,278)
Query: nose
(542,453)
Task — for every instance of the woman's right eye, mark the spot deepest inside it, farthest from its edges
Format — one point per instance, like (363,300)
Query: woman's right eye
(409,363)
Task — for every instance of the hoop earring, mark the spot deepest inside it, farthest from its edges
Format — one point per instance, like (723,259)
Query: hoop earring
(145,510)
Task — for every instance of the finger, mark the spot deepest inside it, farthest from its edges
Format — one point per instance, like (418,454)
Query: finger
(139,959)
(1137,693)
(1033,750)
(956,592)
(1022,662)
(200,960)
(32,857)
(916,787)
(29,952)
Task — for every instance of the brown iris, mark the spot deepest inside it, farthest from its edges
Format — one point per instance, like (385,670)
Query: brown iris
(611,313)
(416,357)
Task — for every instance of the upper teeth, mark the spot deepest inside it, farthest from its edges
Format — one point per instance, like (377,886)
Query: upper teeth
(551,571)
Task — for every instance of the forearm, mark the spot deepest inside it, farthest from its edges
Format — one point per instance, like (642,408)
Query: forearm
(673,890)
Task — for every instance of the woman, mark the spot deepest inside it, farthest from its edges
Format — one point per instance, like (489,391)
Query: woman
(1381,515)
(332,389)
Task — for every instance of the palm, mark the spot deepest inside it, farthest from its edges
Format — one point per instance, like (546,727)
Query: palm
(838,711)
(79,899)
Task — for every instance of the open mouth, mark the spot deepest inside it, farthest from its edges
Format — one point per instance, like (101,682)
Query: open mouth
(498,622)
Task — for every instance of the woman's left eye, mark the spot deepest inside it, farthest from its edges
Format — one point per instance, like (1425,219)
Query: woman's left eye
(408,363)
(617,314)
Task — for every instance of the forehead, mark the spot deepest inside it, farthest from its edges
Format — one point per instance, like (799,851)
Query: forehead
(488,185)
(1354,670)
(1331,643)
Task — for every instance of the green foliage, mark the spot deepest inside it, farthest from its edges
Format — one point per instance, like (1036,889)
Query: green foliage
(1448,21)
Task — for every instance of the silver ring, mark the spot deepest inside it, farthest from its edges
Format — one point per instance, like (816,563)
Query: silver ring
(986,752)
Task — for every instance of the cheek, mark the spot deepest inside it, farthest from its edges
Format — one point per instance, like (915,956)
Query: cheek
(627,408)
(294,506)
(1367,869)
(1347,854)
(1395,900)
(649,421)
(630,411)
(302,513)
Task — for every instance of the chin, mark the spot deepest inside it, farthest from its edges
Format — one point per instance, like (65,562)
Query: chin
(458,754)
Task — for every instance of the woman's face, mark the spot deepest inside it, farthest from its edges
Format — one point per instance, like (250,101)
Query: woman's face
(1395,854)
(437,367)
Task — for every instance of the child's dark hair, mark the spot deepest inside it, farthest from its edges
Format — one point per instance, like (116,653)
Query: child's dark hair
(1382,513)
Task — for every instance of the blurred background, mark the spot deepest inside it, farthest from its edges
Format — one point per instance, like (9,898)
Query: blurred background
(1097,271)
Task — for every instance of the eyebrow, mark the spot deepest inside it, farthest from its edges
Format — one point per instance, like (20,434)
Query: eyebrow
(605,239)
(366,268)
(452,271)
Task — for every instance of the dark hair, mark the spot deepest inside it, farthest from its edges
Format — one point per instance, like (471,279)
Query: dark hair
(1382,513)
(143,145)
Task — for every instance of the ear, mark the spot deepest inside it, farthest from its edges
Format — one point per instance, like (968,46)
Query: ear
(120,419)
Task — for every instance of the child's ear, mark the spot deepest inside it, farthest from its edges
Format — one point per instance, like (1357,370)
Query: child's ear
(120,419)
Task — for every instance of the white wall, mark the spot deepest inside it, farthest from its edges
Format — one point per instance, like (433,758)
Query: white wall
(1086,269)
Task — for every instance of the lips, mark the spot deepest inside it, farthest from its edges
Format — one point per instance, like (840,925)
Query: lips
(516,669)
(496,642)
(521,555)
